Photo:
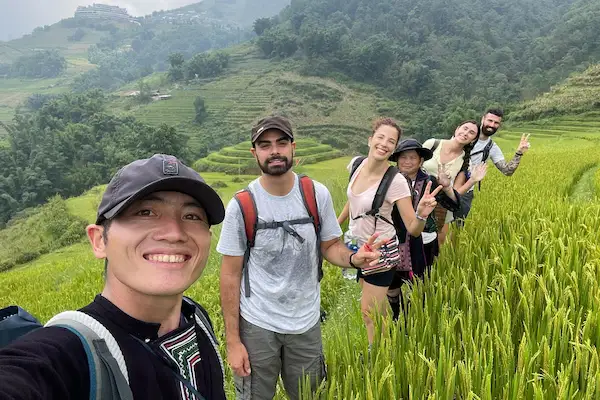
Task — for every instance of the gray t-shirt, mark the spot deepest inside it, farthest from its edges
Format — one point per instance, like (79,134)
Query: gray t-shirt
(284,284)
(495,154)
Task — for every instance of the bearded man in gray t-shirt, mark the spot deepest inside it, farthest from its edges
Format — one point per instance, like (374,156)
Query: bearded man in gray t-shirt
(272,321)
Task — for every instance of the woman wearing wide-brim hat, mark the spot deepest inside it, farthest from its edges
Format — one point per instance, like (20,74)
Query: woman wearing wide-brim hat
(423,249)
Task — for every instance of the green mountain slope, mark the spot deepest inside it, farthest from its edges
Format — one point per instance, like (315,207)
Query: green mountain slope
(322,108)
(578,94)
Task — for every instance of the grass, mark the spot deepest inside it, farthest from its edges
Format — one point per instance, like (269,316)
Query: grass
(510,309)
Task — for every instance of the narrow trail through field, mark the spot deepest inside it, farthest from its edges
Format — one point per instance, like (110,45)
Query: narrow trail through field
(583,190)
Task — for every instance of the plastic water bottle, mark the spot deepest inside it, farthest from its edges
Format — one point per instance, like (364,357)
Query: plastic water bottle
(351,242)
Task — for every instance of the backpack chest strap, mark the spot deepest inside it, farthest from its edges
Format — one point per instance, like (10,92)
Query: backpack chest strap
(286,225)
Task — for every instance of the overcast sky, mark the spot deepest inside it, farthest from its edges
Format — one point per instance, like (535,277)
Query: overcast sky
(18,17)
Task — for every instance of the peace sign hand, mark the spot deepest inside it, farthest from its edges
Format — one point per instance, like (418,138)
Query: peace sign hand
(369,252)
(428,202)
(524,144)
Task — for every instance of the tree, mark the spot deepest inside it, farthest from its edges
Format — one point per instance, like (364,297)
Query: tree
(201,113)
(39,64)
(261,25)
(76,36)
(206,65)
(176,71)
(145,93)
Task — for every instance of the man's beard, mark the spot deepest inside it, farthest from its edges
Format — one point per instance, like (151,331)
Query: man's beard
(488,130)
(276,170)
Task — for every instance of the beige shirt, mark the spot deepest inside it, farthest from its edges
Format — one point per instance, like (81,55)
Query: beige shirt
(360,203)
(452,167)
(431,165)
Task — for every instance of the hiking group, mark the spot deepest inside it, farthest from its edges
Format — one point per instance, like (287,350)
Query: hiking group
(142,339)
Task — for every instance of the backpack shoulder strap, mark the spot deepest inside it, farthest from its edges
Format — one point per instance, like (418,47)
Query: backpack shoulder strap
(245,199)
(382,189)
(108,372)
(486,150)
(436,143)
(309,195)
(355,165)
(307,188)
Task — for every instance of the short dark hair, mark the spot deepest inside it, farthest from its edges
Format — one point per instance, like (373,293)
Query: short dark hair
(496,111)
(106,225)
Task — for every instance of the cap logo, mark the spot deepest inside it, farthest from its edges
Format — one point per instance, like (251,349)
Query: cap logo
(170,167)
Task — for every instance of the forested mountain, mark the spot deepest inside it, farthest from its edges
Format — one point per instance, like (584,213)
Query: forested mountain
(442,57)
(431,62)
(69,144)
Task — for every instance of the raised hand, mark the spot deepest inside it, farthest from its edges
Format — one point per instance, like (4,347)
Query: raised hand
(427,203)
(478,172)
(443,177)
(368,253)
(524,144)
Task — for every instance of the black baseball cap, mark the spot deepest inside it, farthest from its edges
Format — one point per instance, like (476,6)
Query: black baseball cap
(411,144)
(274,122)
(161,172)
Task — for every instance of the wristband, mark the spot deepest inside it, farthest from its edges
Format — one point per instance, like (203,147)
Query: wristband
(519,153)
(350,261)
(420,218)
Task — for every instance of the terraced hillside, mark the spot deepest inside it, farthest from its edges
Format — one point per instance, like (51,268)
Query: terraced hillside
(562,128)
(332,112)
(52,37)
(16,90)
(578,94)
(238,160)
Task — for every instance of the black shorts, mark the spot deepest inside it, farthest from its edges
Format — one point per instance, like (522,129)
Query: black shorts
(383,279)
(431,251)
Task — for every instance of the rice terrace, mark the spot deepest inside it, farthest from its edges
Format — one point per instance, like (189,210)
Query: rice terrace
(511,308)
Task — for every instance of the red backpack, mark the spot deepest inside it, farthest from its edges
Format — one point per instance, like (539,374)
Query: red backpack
(250,214)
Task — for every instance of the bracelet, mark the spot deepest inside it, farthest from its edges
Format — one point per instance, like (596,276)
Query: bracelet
(420,218)
(350,261)
(519,153)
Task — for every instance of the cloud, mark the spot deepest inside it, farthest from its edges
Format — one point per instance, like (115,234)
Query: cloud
(18,17)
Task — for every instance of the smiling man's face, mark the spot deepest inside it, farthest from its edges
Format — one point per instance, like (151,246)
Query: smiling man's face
(158,246)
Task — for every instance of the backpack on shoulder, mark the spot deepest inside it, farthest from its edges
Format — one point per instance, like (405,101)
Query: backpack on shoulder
(382,189)
(109,379)
(403,250)
(247,204)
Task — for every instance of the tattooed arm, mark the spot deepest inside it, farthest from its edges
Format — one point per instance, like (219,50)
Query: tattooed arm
(509,168)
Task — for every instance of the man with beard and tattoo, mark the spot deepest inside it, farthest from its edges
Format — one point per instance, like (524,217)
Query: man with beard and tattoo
(270,291)
(485,148)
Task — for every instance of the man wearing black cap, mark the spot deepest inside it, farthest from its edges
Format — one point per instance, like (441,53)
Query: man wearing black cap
(271,306)
(153,230)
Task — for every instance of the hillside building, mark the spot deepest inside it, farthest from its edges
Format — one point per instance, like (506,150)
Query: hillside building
(103,12)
